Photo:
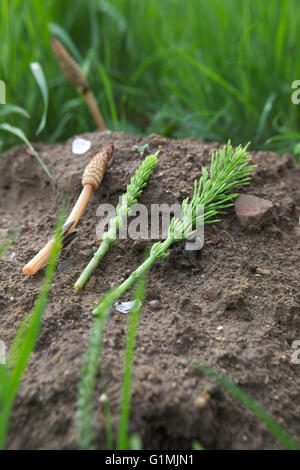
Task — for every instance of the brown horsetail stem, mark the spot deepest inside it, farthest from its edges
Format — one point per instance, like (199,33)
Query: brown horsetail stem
(91,179)
(74,74)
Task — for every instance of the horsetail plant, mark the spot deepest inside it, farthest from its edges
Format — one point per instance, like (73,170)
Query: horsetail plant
(91,179)
(74,74)
(229,170)
(134,190)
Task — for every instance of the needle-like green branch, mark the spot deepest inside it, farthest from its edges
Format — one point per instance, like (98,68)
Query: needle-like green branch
(228,171)
(134,190)
(214,192)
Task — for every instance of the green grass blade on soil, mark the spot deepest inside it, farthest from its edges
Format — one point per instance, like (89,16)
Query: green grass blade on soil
(197,446)
(123,438)
(135,442)
(11,373)
(19,133)
(108,423)
(249,403)
(89,370)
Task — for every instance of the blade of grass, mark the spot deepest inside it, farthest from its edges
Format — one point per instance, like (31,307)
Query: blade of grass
(123,439)
(219,80)
(109,93)
(25,340)
(264,115)
(222,37)
(19,133)
(90,367)
(41,81)
(249,403)
(197,446)
(60,127)
(7,109)
(89,370)
(108,425)
(107,415)
(135,442)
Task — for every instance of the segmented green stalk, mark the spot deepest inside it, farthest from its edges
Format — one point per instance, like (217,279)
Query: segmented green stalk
(134,190)
(228,171)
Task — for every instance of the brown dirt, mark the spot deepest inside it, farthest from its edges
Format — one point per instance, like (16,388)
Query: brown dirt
(236,307)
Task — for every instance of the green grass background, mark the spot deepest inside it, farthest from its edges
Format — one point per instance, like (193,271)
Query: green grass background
(212,69)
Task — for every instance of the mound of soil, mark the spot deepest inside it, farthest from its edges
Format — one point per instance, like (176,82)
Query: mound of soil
(236,306)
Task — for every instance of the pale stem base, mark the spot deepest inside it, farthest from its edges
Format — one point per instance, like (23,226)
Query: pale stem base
(43,255)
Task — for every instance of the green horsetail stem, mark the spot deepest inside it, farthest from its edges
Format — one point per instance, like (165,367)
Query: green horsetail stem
(134,190)
(229,170)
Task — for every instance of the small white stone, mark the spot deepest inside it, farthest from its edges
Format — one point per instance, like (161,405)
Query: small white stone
(12,299)
(103,398)
(80,146)
(125,307)
(220,328)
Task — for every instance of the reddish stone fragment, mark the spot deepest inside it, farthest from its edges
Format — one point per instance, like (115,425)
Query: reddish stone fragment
(252,211)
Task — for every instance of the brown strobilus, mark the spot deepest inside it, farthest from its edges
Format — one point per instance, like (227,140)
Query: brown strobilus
(91,179)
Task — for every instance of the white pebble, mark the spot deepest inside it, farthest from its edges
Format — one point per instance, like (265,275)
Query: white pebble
(80,146)
(103,398)
(125,307)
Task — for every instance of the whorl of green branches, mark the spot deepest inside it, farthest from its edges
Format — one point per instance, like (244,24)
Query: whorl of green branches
(213,193)
(228,170)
